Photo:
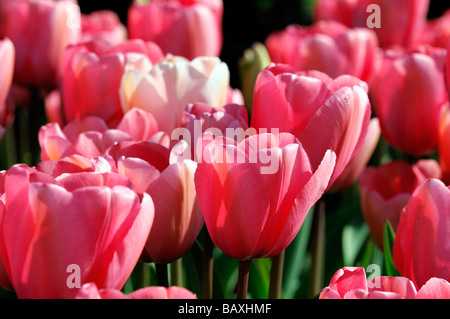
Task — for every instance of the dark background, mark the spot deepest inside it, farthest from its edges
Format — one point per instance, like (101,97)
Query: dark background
(247,21)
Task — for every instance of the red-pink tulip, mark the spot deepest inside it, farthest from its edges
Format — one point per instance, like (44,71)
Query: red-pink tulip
(7,55)
(437,31)
(59,233)
(323,113)
(103,25)
(255,194)
(435,288)
(421,249)
(408,96)
(91,291)
(326,46)
(351,283)
(400,21)
(40,31)
(386,189)
(92,75)
(90,136)
(155,170)
(188,28)
(443,145)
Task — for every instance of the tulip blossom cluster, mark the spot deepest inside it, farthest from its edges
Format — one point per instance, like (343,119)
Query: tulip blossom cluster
(152,177)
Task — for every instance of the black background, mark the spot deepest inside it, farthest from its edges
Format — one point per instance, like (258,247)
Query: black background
(246,21)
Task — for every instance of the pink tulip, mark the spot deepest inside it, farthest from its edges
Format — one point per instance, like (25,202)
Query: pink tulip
(40,30)
(437,31)
(323,113)
(351,283)
(443,145)
(420,249)
(7,55)
(155,170)
(90,136)
(326,46)
(386,189)
(103,25)
(362,156)
(401,21)
(92,75)
(59,233)
(166,88)
(255,194)
(190,28)
(408,96)
(91,291)
(435,288)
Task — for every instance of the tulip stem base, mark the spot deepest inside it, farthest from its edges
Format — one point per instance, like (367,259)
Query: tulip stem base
(242,284)
(276,276)
(176,272)
(317,249)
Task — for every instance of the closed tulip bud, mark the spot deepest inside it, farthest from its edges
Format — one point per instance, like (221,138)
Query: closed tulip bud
(326,46)
(60,233)
(420,250)
(280,184)
(386,189)
(7,55)
(251,63)
(185,28)
(91,291)
(40,30)
(408,96)
(103,25)
(323,113)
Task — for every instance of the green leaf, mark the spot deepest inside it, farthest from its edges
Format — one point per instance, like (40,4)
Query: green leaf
(388,242)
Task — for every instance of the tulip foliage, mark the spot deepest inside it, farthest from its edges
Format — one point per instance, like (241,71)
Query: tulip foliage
(133,165)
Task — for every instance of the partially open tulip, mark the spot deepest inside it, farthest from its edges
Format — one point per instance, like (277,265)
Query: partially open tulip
(92,75)
(352,283)
(396,22)
(386,189)
(103,25)
(59,233)
(255,194)
(421,248)
(323,113)
(7,54)
(40,30)
(326,46)
(186,28)
(169,180)
(91,291)
(167,87)
(408,96)
(90,136)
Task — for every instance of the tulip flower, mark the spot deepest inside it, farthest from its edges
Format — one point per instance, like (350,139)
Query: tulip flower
(184,28)
(7,55)
(386,189)
(420,249)
(90,136)
(155,170)
(326,46)
(91,291)
(408,96)
(85,90)
(58,234)
(323,113)
(443,147)
(167,87)
(255,194)
(437,31)
(40,30)
(103,25)
(351,283)
(400,22)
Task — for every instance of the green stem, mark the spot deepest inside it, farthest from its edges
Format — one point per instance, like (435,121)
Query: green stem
(242,284)
(317,250)
(276,276)
(142,274)
(207,279)
(162,274)
(176,272)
